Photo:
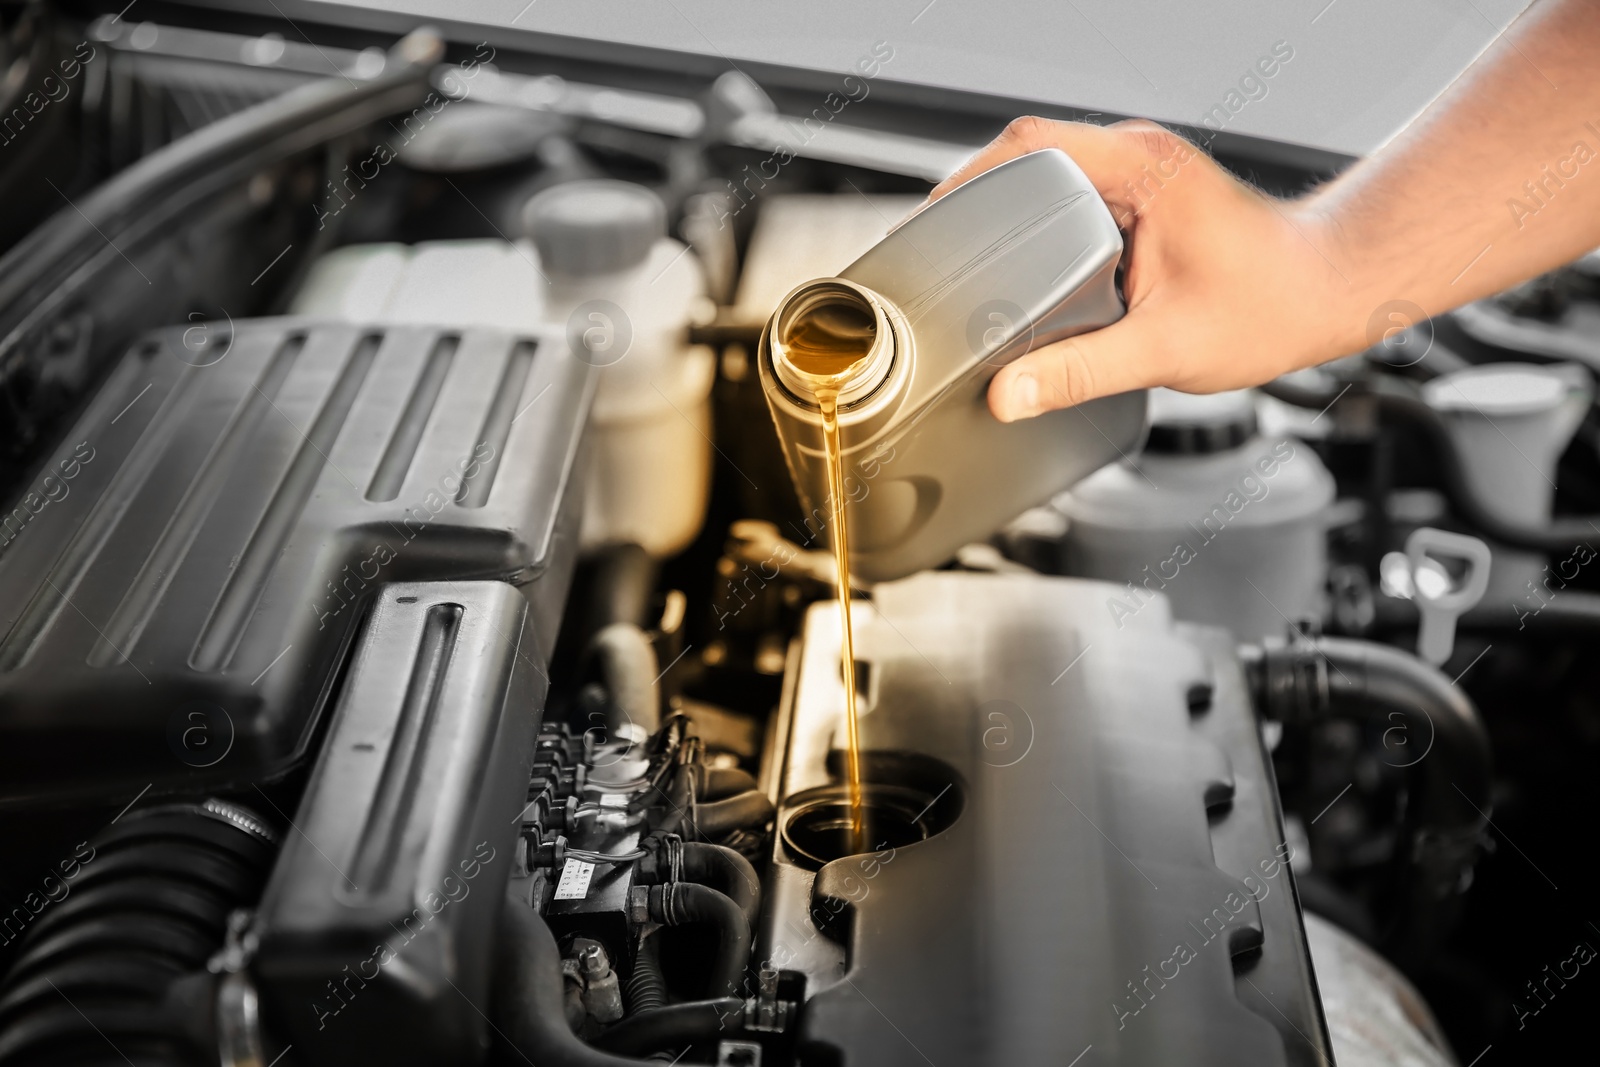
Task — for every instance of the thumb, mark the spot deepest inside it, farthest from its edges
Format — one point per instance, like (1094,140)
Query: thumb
(1102,363)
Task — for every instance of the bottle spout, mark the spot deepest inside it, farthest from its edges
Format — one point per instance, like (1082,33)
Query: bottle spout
(832,337)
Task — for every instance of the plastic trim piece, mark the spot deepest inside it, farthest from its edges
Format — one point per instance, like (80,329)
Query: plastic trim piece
(180,614)
(377,925)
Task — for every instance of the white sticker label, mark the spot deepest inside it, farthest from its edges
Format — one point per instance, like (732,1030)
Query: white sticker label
(574,883)
(613,800)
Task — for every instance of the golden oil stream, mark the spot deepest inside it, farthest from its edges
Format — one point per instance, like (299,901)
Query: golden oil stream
(829,403)
(827,347)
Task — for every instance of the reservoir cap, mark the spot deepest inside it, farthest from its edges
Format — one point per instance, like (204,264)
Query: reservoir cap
(1193,424)
(1498,390)
(584,228)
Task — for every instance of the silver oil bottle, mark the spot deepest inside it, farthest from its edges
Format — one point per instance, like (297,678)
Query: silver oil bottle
(1021,256)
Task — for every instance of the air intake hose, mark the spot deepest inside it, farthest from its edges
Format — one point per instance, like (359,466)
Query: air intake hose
(99,977)
(1445,752)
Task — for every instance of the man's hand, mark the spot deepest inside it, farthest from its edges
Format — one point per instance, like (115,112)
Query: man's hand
(1496,182)
(1226,287)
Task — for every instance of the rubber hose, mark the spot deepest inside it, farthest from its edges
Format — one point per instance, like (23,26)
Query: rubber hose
(149,904)
(1451,777)
(722,817)
(1400,400)
(529,995)
(673,1026)
(717,783)
(1370,680)
(624,578)
(627,664)
(725,870)
(647,987)
(679,796)
(682,903)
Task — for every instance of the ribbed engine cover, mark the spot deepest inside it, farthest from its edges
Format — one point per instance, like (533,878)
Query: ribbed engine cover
(181,581)
(1113,886)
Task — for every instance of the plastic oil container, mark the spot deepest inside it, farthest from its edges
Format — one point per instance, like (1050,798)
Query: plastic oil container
(1227,524)
(1020,256)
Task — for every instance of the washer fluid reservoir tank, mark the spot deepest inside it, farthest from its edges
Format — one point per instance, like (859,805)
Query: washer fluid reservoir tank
(625,292)
(1226,523)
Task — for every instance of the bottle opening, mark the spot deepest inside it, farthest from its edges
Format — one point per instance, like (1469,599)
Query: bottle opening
(831,336)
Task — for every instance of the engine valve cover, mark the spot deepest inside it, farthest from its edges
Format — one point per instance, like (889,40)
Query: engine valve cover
(1100,861)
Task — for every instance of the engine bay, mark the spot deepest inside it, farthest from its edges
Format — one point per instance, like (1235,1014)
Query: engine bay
(414,649)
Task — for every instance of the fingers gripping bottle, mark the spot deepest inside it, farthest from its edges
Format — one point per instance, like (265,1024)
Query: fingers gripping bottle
(900,348)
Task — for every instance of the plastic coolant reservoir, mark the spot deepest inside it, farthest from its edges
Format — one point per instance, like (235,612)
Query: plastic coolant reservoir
(437,283)
(1018,257)
(1511,422)
(1227,524)
(625,292)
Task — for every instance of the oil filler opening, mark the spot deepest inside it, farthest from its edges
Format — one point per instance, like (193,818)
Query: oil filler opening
(832,335)
(906,797)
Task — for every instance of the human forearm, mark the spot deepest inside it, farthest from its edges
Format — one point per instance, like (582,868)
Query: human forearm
(1498,180)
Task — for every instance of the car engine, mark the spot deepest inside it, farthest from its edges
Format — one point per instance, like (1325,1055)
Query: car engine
(413,651)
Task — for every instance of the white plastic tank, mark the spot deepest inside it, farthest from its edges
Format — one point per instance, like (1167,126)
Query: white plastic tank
(484,283)
(1226,523)
(1511,422)
(625,293)
(601,266)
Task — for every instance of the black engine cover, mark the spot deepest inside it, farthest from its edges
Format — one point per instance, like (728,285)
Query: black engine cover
(375,933)
(181,583)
